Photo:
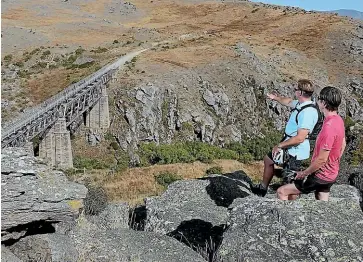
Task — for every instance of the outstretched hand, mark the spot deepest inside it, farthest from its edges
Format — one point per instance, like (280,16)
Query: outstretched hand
(272,96)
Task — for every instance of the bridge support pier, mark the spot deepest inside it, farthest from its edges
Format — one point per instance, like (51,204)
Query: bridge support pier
(56,146)
(99,116)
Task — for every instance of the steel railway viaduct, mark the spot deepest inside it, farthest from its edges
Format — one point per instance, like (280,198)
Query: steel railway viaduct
(85,102)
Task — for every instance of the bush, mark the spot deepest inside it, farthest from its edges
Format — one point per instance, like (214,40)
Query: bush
(8,58)
(45,53)
(79,51)
(166,178)
(357,154)
(89,163)
(95,201)
(214,170)
(114,145)
(36,50)
(99,50)
(39,65)
(260,146)
(19,64)
(348,122)
(115,41)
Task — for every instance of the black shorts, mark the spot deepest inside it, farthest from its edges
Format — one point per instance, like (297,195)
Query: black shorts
(313,184)
(291,163)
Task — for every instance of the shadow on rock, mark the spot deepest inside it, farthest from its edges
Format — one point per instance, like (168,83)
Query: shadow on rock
(137,218)
(227,187)
(200,235)
(356,180)
(32,228)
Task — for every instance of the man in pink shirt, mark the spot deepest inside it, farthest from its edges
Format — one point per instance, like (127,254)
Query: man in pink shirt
(329,147)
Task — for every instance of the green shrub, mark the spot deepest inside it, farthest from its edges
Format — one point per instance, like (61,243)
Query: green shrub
(19,64)
(114,145)
(166,178)
(36,50)
(214,170)
(89,163)
(27,58)
(108,136)
(8,58)
(357,154)
(39,65)
(22,74)
(99,50)
(348,122)
(260,146)
(45,53)
(79,51)
(95,201)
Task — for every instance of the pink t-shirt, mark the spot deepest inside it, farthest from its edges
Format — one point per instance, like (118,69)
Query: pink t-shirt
(330,138)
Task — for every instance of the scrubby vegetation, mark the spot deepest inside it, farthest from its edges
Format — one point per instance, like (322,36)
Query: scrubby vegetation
(91,163)
(214,170)
(166,178)
(357,154)
(187,152)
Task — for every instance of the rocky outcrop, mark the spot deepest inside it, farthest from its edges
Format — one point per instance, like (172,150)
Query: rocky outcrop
(95,244)
(214,218)
(306,230)
(8,256)
(195,211)
(33,196)
(46,248)
(115,215)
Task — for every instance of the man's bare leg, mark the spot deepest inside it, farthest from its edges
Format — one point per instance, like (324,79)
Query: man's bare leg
(324,196)
(285,191)
(268,171)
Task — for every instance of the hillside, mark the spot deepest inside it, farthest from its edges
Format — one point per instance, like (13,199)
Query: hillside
(350,13)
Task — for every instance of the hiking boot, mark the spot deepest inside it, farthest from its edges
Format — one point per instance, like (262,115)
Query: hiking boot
(259,190)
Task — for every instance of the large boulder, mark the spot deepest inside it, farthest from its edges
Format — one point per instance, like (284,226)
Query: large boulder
(95,244)
(33,196)
(303,230)
(114,216)
(8,256)
(196,211)
(46,248)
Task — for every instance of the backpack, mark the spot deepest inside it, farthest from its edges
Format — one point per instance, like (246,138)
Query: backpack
(317,128)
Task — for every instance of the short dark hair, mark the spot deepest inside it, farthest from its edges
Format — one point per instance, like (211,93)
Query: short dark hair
(306,86)
(331,96)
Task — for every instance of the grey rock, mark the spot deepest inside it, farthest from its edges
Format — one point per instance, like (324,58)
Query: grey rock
(195,211)
(124,245)
(183,201)
(218,100)
(114,216)
(302,230)
(33,193)
(8,256)
(46,248)
(93,137)
(83,60)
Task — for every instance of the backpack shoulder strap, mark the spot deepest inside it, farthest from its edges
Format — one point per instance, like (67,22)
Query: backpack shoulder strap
(302,108)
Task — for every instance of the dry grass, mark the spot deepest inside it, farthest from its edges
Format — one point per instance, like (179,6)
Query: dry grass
(134,184)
